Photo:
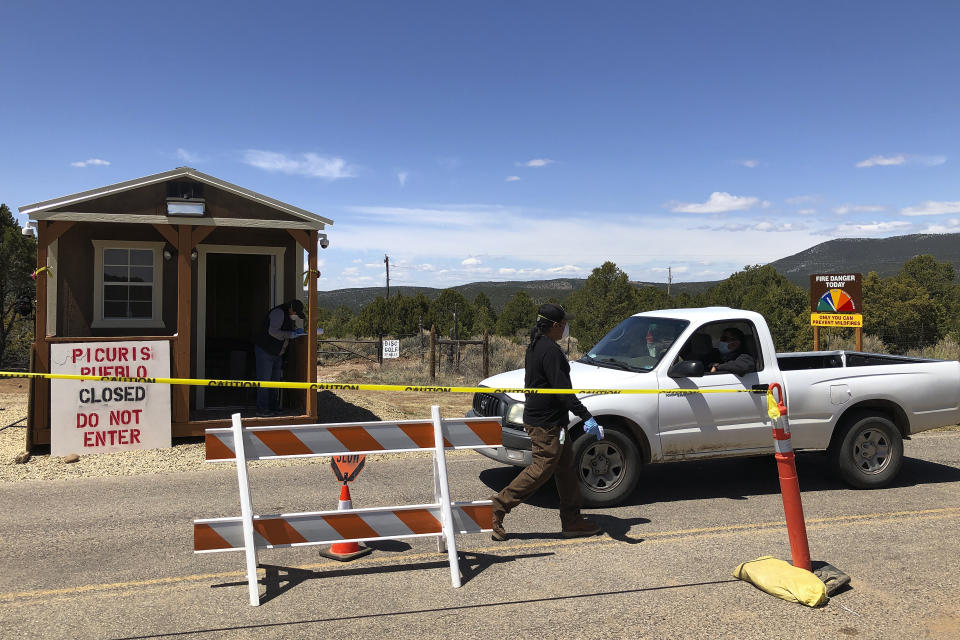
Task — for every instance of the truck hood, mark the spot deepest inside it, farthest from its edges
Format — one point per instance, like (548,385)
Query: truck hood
(583,376)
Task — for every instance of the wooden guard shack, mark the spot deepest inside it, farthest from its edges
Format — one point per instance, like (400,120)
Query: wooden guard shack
(181,257)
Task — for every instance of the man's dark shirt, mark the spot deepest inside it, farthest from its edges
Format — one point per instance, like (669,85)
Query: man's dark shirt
(738,363)
(548,368)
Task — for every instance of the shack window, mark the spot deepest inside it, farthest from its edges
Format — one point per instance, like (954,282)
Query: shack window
(128,284)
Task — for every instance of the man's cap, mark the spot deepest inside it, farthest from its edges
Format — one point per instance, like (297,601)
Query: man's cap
(297,307)
(554,313)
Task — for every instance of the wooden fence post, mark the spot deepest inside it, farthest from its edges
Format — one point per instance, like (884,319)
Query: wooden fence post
(486,355)
(433,353)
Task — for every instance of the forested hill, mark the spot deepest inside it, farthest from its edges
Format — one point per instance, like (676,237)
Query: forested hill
(863,255)
(498,292)
(846,255)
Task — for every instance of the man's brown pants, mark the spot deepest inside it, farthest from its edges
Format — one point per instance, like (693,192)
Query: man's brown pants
(550,458)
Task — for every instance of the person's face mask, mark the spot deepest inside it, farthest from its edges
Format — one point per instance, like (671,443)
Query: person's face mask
(723,347)
(566,330)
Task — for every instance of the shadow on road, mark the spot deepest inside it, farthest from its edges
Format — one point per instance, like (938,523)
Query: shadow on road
(333,408)
(411,612)
(279,579)
(733,479)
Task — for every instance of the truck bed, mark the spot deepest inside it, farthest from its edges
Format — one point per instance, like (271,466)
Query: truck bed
(835,359)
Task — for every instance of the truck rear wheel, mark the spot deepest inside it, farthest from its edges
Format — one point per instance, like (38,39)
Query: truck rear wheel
(608,469)
(867,452)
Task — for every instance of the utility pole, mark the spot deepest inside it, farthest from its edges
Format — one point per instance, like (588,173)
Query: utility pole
(386,261)
(669,278)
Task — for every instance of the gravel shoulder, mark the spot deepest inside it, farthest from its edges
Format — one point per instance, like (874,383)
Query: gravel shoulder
(187,454)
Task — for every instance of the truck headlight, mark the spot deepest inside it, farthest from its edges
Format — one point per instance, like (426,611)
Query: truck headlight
(515,413)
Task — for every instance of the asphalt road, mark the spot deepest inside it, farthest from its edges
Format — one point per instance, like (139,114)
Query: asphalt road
(112,557)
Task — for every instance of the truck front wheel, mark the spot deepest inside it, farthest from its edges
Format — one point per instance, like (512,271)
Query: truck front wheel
(608,469)
(868,451)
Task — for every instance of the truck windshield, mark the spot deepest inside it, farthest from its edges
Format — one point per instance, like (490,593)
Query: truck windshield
(637,344)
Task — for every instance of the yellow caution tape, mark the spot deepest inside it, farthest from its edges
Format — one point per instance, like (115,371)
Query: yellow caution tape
(332,386)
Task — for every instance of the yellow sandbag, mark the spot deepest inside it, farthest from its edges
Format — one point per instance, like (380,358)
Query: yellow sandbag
(783,580)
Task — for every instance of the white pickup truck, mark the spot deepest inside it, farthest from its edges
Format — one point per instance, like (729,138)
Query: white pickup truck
(858,407)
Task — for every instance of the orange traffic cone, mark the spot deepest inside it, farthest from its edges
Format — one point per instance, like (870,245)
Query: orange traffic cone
(344,551)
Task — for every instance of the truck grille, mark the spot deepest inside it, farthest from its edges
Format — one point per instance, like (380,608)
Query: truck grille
(487,405)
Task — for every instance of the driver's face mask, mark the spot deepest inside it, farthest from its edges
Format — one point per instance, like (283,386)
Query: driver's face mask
(566,330)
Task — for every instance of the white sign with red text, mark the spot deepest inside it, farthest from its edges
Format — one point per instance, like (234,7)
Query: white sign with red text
(102,417)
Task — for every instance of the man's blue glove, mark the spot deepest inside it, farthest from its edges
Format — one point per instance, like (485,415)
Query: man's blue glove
(594,429)
(299,332)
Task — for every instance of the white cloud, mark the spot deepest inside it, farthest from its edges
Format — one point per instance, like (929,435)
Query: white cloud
(750,164)
(931,161)
(357,260)
(512,178)
(311,165)
(932,208)
(873,227)
(567,269)
(402,177)
(92,162)
(718,202)
(184,155)
(900,158)
(801,199)
(470,262)
(766,204)
(536,162)
(844,209)
(882,161)
(951,225)
(373,265)
(766,225)
(675,270)
(429,236)
(463,215)
(806,212)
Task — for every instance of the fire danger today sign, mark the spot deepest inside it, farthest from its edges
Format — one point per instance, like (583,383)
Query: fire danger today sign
(836,300)
(102,417)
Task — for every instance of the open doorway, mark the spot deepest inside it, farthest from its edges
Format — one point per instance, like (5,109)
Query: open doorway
(239,293)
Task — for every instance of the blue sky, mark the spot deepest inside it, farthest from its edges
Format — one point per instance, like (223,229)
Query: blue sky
(505,140)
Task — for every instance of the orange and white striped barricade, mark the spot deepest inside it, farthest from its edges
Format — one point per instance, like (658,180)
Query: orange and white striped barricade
(442,518)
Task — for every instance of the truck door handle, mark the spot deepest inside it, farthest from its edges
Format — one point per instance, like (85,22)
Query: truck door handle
(760,387)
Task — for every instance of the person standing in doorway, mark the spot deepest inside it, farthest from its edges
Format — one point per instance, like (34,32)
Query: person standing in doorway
(545,421)
(279,325)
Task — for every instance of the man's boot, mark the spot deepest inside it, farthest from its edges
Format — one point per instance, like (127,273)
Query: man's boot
(498,534)
(579,528)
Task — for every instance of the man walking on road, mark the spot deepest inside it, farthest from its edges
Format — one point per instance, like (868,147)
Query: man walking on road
(545,420)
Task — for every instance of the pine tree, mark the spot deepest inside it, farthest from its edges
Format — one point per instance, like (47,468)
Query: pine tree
(18,255)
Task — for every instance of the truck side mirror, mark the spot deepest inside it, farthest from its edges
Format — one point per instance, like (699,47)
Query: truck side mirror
(686,369)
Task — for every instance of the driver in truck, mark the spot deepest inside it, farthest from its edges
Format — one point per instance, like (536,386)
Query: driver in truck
(545,420)
(733,355)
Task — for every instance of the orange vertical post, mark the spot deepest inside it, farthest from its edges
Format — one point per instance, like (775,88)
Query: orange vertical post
(789,483)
